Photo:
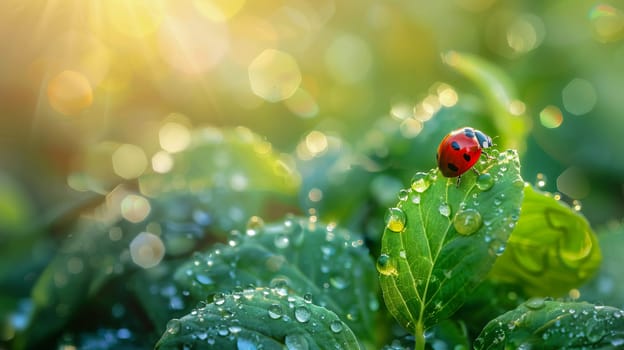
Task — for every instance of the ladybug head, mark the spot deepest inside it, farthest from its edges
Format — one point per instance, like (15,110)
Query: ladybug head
(484,140)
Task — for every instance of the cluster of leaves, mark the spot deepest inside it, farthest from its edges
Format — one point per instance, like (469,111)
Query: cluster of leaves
(458,266)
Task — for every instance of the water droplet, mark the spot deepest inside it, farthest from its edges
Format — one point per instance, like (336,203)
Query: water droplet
(307,298)
(540,180)
(403,194)
(535,303)
(336,326)
(218,298)
(416,199)
(204,279)
(576,205)
(173,326)
(302,313)
(467,221)
(403,254)
(255,224)
(386,266)
(420,182)
(275,311)
(444,209)
(223,330)
(234,238)
(281,241)
(485,182)
(280,286)
(497,247)
(395,219)
(296,342)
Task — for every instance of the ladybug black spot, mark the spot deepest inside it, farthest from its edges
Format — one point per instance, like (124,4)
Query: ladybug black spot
(455,145)
(452,167)
(467,157)
(469,132)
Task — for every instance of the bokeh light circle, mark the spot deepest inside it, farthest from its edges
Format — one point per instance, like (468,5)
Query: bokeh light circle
(274,75)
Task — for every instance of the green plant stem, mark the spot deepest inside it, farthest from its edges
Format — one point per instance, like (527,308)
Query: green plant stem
(420,337)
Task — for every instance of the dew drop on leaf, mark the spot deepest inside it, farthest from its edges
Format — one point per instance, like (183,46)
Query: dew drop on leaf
(403,194)
(497,247)
(540,181)
(485,182)
(219,298)
(444,209)
(535,303)
(302,314)
(385,265)
(395,219)
(467,221)
(336,326)
(420,182)
(275,311)
(173,326)
(255,225)
(296,342)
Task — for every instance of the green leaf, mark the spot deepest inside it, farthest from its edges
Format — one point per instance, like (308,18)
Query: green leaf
(506,112)
(552,249)
(328,263)
(427,267)
(554,325)
(258,318)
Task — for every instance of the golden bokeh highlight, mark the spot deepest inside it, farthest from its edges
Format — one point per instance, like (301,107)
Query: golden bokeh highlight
(129,161)
(147,250)
(607,22)
(551,117)
(219,10)
(274,75)
(174,137)
(69,93)
(135,208)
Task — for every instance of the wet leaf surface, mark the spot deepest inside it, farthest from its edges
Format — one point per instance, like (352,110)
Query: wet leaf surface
(555,325)
(441,240)
(258,318)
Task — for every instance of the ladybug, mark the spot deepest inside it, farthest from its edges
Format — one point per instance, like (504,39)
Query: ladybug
(460,150)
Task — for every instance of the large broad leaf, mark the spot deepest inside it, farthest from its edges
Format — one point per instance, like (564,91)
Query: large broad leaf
(552,250)
(223,177)
(506,112)
(441,240)
(327,263)
(555,325)
(258,318)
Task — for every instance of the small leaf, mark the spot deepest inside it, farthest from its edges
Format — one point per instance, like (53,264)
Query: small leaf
(342,277)
(260,318)
(441,241)
(552,250)
(554,325)
(506,112)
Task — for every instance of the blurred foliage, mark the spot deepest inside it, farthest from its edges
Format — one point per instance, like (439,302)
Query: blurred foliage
(154,127)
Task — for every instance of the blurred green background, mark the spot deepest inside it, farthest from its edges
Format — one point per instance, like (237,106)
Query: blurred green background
(96,93)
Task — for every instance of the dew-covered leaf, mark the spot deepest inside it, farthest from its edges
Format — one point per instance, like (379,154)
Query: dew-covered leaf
(506,112)
(329,264)
(544,324)
(552,249)
(258,318)
(441,240)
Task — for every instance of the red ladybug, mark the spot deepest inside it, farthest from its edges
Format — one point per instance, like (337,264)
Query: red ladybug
(460,150)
